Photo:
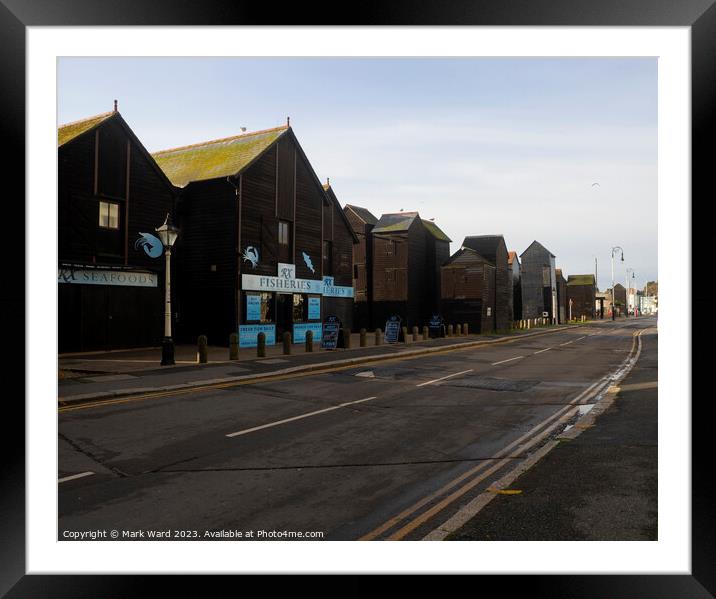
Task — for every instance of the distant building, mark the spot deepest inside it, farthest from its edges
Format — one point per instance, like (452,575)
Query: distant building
(468,290)
(494,249)
(561,295)
(407,255)
(362,221)
(513,266)
(582,296)
(619,296)
(539,282)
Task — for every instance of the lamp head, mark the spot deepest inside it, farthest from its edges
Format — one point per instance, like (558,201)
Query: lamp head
(168,233)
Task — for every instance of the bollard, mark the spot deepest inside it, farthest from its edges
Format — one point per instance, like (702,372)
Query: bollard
(346,339)
(309,341)
(261,345)
(363,341)
(464,329)
(426,333)
(415,333)
(286,343)
(458,329)
(378,337)
(202,353)
(449,331)
(405,335)
(233,346)
(528,324)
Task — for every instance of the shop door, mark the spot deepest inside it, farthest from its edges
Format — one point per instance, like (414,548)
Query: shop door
(284,315)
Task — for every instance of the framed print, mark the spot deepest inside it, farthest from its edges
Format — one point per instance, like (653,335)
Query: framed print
(566,127)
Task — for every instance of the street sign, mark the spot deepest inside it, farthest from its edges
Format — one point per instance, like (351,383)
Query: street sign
(392,329)
(331,327)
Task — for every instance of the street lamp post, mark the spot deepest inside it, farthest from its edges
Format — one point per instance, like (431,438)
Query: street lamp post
(168,234)
(614,249)
(626,296)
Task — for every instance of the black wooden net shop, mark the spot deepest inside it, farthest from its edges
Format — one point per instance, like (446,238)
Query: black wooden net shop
(266,248)
(111,197)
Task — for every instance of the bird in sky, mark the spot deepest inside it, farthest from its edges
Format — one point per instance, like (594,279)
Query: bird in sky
(597,184)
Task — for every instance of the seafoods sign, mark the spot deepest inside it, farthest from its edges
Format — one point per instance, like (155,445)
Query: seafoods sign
(106,277)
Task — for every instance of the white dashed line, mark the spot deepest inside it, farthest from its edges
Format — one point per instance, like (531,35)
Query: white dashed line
(542,350)
(74,476)
(509,360)
(302,416)
(568,342)
(443,378)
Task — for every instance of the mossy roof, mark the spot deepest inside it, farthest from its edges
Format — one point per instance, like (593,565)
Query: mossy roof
(573,280)
(435,231)
(69,131)
(217,158)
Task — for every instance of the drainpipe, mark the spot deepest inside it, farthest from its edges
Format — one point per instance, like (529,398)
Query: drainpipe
(237,289)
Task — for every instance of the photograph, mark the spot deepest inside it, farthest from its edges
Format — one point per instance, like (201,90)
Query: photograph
(357,298)
(288,282)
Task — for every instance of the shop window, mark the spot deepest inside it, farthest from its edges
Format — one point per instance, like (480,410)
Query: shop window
(109,215)
(259,308)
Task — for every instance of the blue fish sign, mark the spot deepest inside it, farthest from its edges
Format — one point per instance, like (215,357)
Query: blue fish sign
(151,245)
(307,260)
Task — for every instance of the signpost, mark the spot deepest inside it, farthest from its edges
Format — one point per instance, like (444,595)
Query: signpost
(392,329)
(331,328)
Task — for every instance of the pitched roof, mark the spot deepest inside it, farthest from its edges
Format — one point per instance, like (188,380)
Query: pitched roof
(435,231)
(573,280)
(485,245)
(362,213)
(540,245)
(511,257)
(69,131)
(466,250)
(395,222)
(217,158)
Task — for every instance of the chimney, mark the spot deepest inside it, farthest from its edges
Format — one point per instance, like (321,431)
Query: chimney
(115,105)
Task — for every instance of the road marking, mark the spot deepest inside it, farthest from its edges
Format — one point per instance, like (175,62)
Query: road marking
(508,360)
(472,508)
(443,378)
(74,476)
(504,451)
(542,350)
(300,417)
(568,342)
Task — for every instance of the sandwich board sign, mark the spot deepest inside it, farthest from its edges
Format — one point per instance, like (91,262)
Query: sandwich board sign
(331,328)
(392,329)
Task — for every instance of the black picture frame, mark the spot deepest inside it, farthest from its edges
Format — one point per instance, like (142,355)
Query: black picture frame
(17,15)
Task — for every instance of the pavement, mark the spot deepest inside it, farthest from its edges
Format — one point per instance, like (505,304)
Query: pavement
(97,375)
(601,485)
(388,449)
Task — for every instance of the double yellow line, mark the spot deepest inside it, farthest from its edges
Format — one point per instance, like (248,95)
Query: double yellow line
(482,471)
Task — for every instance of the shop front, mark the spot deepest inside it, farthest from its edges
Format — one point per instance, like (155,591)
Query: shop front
(284,303)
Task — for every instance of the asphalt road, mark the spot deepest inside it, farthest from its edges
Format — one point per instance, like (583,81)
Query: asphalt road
(375,452)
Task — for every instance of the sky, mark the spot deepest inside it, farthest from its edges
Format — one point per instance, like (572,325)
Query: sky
(482,145)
